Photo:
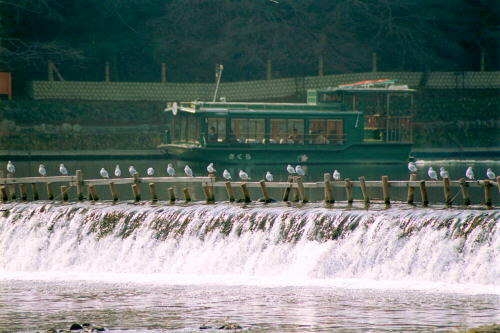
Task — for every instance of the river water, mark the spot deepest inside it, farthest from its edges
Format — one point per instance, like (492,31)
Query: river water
(272,268)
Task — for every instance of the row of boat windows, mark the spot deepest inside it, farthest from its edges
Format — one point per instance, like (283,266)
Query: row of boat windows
(254,131)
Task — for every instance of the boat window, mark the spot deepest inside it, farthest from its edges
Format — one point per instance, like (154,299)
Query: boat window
(329,97)
(289,131)
(216,130)
(326,131)
(400,104)
(249,131)
(186,128)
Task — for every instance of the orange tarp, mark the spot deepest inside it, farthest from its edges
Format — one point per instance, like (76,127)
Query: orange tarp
(6,84)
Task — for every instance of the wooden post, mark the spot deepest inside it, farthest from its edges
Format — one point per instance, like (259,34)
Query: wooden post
(302,190)
(465,191)
(487,195)
(187,197)
(34,191)
(24,194)
(481,62)
(320,66)
(64,193)
(446,190)
(286,193)
(498,183)
(136,178)
(348,191)
(295,190)
(411,190)
(11,188)
(106,72)
(112,189)
(152,192)
(136,192)
(229,190)
(211,188)
(79,184)
(374,62)
(362,183)
(206,190)
(269,70)
(386,190)
(92,193)
(328,189)
(423,193)
(3,193)
(50,194)
(171,194)
(264,191)
(246,194)
(163,72)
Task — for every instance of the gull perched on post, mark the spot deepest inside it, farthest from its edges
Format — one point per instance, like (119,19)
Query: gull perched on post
(336,175)
(104,173)
(469,173)
(118,172)
(300,171)
(226,174)
(188,171)
(150,171)
(132,170)
(490,174)
(412,167)
(211,169)
(290,169)
(63,170)
(243,175)
(41,170)
(432,173)
(170,170)
(443,173)
(269,177)
(10,167)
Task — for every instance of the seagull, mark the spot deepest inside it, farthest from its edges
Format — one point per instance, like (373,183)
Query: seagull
(336,175)
(300,171)
(104,173)
(432,174)
(132,170)
(118,172)
(10,167)
(150,171)
(188,171)
(290,169)
(170,170)
(226,174)
(412,167)
(443,173)
(269,177)
(469,173)
(63,170)
(41,170)
(490,174)
(211,169)
(243,175)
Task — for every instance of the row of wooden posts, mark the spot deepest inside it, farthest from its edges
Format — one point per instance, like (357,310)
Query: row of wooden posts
(293,190)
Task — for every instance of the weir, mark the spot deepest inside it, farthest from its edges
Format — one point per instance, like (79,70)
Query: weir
(399,243)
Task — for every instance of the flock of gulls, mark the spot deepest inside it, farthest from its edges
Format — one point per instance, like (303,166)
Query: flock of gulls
(297,170)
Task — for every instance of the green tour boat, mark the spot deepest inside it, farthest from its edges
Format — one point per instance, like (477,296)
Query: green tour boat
(363,122)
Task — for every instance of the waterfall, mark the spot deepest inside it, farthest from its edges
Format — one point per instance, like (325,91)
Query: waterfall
(230,242)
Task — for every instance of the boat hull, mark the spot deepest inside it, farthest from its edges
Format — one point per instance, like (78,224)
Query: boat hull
(269,154)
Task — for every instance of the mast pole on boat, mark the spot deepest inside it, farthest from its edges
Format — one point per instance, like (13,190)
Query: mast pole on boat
(218,74)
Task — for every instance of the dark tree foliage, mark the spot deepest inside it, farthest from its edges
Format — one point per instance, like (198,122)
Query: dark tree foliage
(191,36)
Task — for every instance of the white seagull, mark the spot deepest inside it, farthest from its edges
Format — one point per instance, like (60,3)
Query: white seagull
(469,173)
(211,169)
(63,170)
(243,175)
(269,177)
(336,175)
(226,174)
(290,169)
(443,173)
(132,170)
(300,171)
(104,173)
(170,170)
(150,171)
(118,172)
(41,170)
(490,174)
(10,167)
(412,167)
(432,174)
(188,171)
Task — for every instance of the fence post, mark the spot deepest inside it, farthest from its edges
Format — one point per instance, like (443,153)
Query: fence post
(411,190)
